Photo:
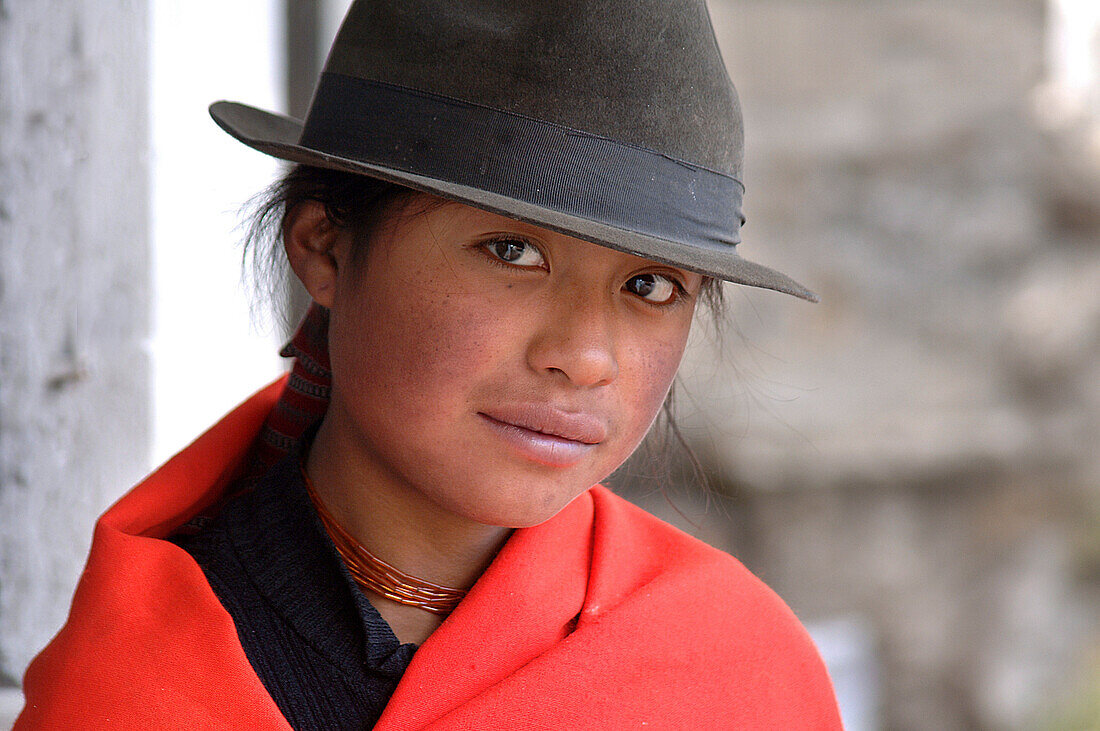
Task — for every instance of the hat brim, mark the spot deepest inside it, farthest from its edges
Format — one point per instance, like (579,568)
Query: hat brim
(278,136)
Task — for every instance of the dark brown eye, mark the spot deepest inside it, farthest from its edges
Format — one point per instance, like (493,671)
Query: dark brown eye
(516,252)
(655,288)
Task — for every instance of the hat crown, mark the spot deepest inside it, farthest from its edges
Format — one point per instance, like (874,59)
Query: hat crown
(613,121)
(646,73)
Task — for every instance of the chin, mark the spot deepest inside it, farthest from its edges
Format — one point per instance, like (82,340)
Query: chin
(508,509)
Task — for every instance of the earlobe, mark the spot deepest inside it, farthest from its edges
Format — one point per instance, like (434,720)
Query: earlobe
(310,239)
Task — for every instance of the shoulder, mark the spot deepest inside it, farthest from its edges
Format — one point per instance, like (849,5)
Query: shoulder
(212,546)
(729,630)
(246,549)
(146,644)
(213,551)
(661,553)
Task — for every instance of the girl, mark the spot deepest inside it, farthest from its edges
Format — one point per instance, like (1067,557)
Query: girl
(505,214)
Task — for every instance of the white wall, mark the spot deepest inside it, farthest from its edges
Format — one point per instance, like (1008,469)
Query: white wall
(1073,61)
(208,353)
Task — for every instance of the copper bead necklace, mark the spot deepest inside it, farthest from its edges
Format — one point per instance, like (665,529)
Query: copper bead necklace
(375,575)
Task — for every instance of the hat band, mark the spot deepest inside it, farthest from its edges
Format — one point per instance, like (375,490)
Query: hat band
(544,164)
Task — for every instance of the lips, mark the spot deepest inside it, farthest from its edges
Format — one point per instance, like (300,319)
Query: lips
(546,435)
(545,419)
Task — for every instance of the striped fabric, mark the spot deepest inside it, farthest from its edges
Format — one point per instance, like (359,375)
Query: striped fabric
(305,397)
(301,404)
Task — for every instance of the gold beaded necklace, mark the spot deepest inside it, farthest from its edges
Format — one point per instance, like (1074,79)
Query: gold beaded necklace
(375,575)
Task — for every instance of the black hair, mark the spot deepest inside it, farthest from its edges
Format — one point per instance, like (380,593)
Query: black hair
(352,202)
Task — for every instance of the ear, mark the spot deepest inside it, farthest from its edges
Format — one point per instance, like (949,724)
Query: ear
(310,239)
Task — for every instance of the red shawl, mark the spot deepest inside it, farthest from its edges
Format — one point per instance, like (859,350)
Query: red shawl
(601,618)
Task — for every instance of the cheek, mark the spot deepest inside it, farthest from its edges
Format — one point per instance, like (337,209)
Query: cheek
(418,352)
(657,367)
(654,363)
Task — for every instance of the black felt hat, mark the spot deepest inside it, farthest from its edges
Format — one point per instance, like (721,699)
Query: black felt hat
(612,121)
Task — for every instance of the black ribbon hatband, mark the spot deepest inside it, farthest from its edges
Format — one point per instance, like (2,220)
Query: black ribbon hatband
(541,163)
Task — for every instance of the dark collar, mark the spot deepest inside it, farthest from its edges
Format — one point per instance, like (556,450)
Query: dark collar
(293,564)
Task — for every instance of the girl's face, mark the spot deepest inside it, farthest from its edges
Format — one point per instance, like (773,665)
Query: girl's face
(498,368)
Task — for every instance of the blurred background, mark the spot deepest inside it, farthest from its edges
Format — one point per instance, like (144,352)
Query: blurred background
(913,465)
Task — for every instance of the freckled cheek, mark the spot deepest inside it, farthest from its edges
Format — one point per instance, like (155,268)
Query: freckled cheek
(422,355)
(652,373)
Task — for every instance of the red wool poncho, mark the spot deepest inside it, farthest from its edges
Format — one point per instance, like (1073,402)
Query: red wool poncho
(601,618)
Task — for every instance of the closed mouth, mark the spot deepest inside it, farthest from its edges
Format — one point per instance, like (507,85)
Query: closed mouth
(549,421)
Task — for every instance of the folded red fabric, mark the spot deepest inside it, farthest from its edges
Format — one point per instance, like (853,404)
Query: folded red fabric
(601,618)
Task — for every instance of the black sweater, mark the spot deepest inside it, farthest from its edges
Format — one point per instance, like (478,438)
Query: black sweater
(323,653)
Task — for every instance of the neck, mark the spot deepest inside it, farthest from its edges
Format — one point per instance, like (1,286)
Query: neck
(394,520)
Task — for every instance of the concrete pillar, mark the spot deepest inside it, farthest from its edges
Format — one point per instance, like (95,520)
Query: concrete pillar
(309,30)
(304,58)
(74,295)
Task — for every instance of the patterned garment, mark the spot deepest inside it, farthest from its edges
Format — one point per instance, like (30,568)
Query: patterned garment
(305,398)
(301,404)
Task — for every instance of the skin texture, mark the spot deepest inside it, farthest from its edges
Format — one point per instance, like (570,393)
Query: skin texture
(472,395)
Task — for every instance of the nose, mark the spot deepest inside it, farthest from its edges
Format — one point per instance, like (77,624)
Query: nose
(575,340)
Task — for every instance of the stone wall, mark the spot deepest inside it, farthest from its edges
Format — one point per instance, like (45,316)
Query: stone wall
(919,450)
(74,299)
